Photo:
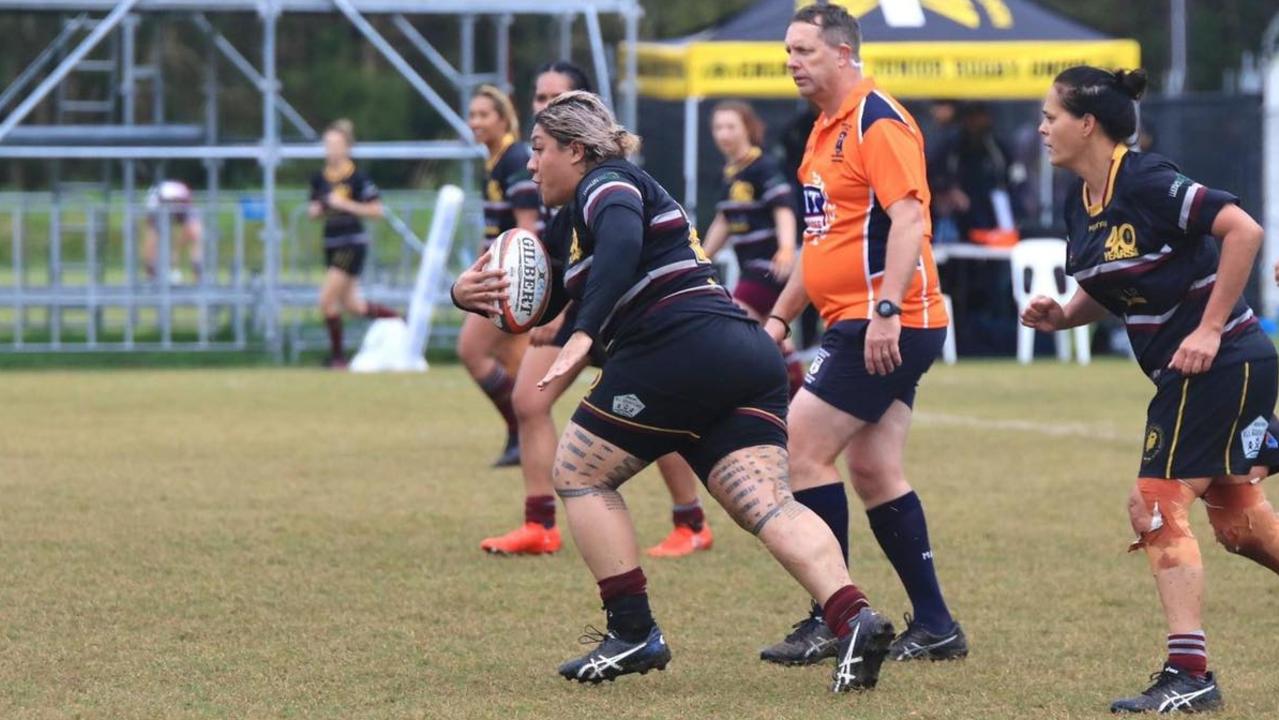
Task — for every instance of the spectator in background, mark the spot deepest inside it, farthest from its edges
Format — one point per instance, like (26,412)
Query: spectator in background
(972,175)
(173,198)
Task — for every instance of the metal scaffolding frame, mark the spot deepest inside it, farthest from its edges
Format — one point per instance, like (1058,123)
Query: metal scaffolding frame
(103,18)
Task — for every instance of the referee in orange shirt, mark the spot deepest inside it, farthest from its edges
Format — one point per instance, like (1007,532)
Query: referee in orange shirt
(868,267)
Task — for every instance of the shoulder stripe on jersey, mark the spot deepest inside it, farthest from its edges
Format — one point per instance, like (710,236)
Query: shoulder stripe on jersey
(522,187)
(876,107)
(1187,204)
(1132,264)
(600,192)
(669,216)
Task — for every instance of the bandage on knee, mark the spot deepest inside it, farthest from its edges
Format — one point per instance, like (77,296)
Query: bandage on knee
(1162,521)
(1244,522)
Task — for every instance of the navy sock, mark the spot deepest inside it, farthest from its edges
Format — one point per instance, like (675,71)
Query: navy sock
(900,528)
(831,505)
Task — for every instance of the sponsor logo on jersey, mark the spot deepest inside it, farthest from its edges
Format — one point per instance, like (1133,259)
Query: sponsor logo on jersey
(819,211)
(1176,185)
(627,405)
(494,191)
(1252,437)
(1121,244)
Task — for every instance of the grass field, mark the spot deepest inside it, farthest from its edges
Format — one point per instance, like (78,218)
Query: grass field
(265,543)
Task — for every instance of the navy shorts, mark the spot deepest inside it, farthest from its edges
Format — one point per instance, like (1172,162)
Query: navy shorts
(710,387)
(1213,424)
(347,258)
(838,374)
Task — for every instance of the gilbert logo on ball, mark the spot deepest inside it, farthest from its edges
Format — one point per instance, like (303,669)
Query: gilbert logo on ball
(524,259)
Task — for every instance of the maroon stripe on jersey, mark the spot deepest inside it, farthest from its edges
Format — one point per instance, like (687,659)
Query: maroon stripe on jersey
(753,412)
(681,295)
(668,225)
(1240,327)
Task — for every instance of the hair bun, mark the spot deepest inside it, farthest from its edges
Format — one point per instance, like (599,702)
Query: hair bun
(1131,82)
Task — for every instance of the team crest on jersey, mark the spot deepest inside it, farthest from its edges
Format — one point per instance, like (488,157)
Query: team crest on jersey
(839,142)
(1252,437)
(574,249)
(1154,443)
(819,211)
(1121,244)
(627,405)
(494,191)
(741,191)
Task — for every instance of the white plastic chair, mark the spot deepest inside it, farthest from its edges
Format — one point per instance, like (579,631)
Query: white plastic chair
(1039,268)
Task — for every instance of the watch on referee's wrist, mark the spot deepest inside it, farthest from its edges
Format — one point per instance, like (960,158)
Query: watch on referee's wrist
(785,324)
(887,308)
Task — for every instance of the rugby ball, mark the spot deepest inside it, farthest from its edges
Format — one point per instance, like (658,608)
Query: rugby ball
(524,259)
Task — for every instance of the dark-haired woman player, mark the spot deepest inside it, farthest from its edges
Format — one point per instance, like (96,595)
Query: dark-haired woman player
(343,196)
(754,217)
(1170,258)
(685,371)
(510,200)
(538,535)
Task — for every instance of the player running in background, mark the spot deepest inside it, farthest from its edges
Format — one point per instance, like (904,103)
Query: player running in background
(1143,244)
(538,534)
(510,200)
(754,217)
(685,371)
(868,267)
(343,196)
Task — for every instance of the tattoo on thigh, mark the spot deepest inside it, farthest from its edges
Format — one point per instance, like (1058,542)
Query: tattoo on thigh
(625,470)
(583,438)
(611,497)
(759,526)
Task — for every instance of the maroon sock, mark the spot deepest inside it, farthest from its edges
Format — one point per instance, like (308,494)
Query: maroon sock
(690,515)
(540,509)
(631,582)
(374,310)
(842,607)
(498,386)
(335,335)
(1189,652)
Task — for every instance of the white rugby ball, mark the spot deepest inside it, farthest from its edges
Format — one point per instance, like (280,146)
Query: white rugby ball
(523,257)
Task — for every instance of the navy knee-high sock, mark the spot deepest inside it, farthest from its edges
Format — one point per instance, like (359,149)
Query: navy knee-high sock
(831,505)
(900,528)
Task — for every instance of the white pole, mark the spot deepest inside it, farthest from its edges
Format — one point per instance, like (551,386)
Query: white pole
(1270,165)
(691,106)
(430,271)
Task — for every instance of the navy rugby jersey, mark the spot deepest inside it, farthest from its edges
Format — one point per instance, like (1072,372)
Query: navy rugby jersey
(628,257)
(509,187)
(341,228)
(753,188)
(1145,252)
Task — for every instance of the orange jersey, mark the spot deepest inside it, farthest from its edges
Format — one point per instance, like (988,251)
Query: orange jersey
(856,164)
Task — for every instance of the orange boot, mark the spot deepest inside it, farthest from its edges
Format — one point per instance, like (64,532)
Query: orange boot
(682,541)
(529,539)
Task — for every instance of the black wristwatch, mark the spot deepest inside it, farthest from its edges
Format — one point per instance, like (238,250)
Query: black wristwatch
(887,309)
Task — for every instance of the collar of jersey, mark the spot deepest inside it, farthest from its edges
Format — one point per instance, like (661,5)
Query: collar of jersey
(863,88)
(342,172)
(1116,159)
(507,141)
(751,156)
